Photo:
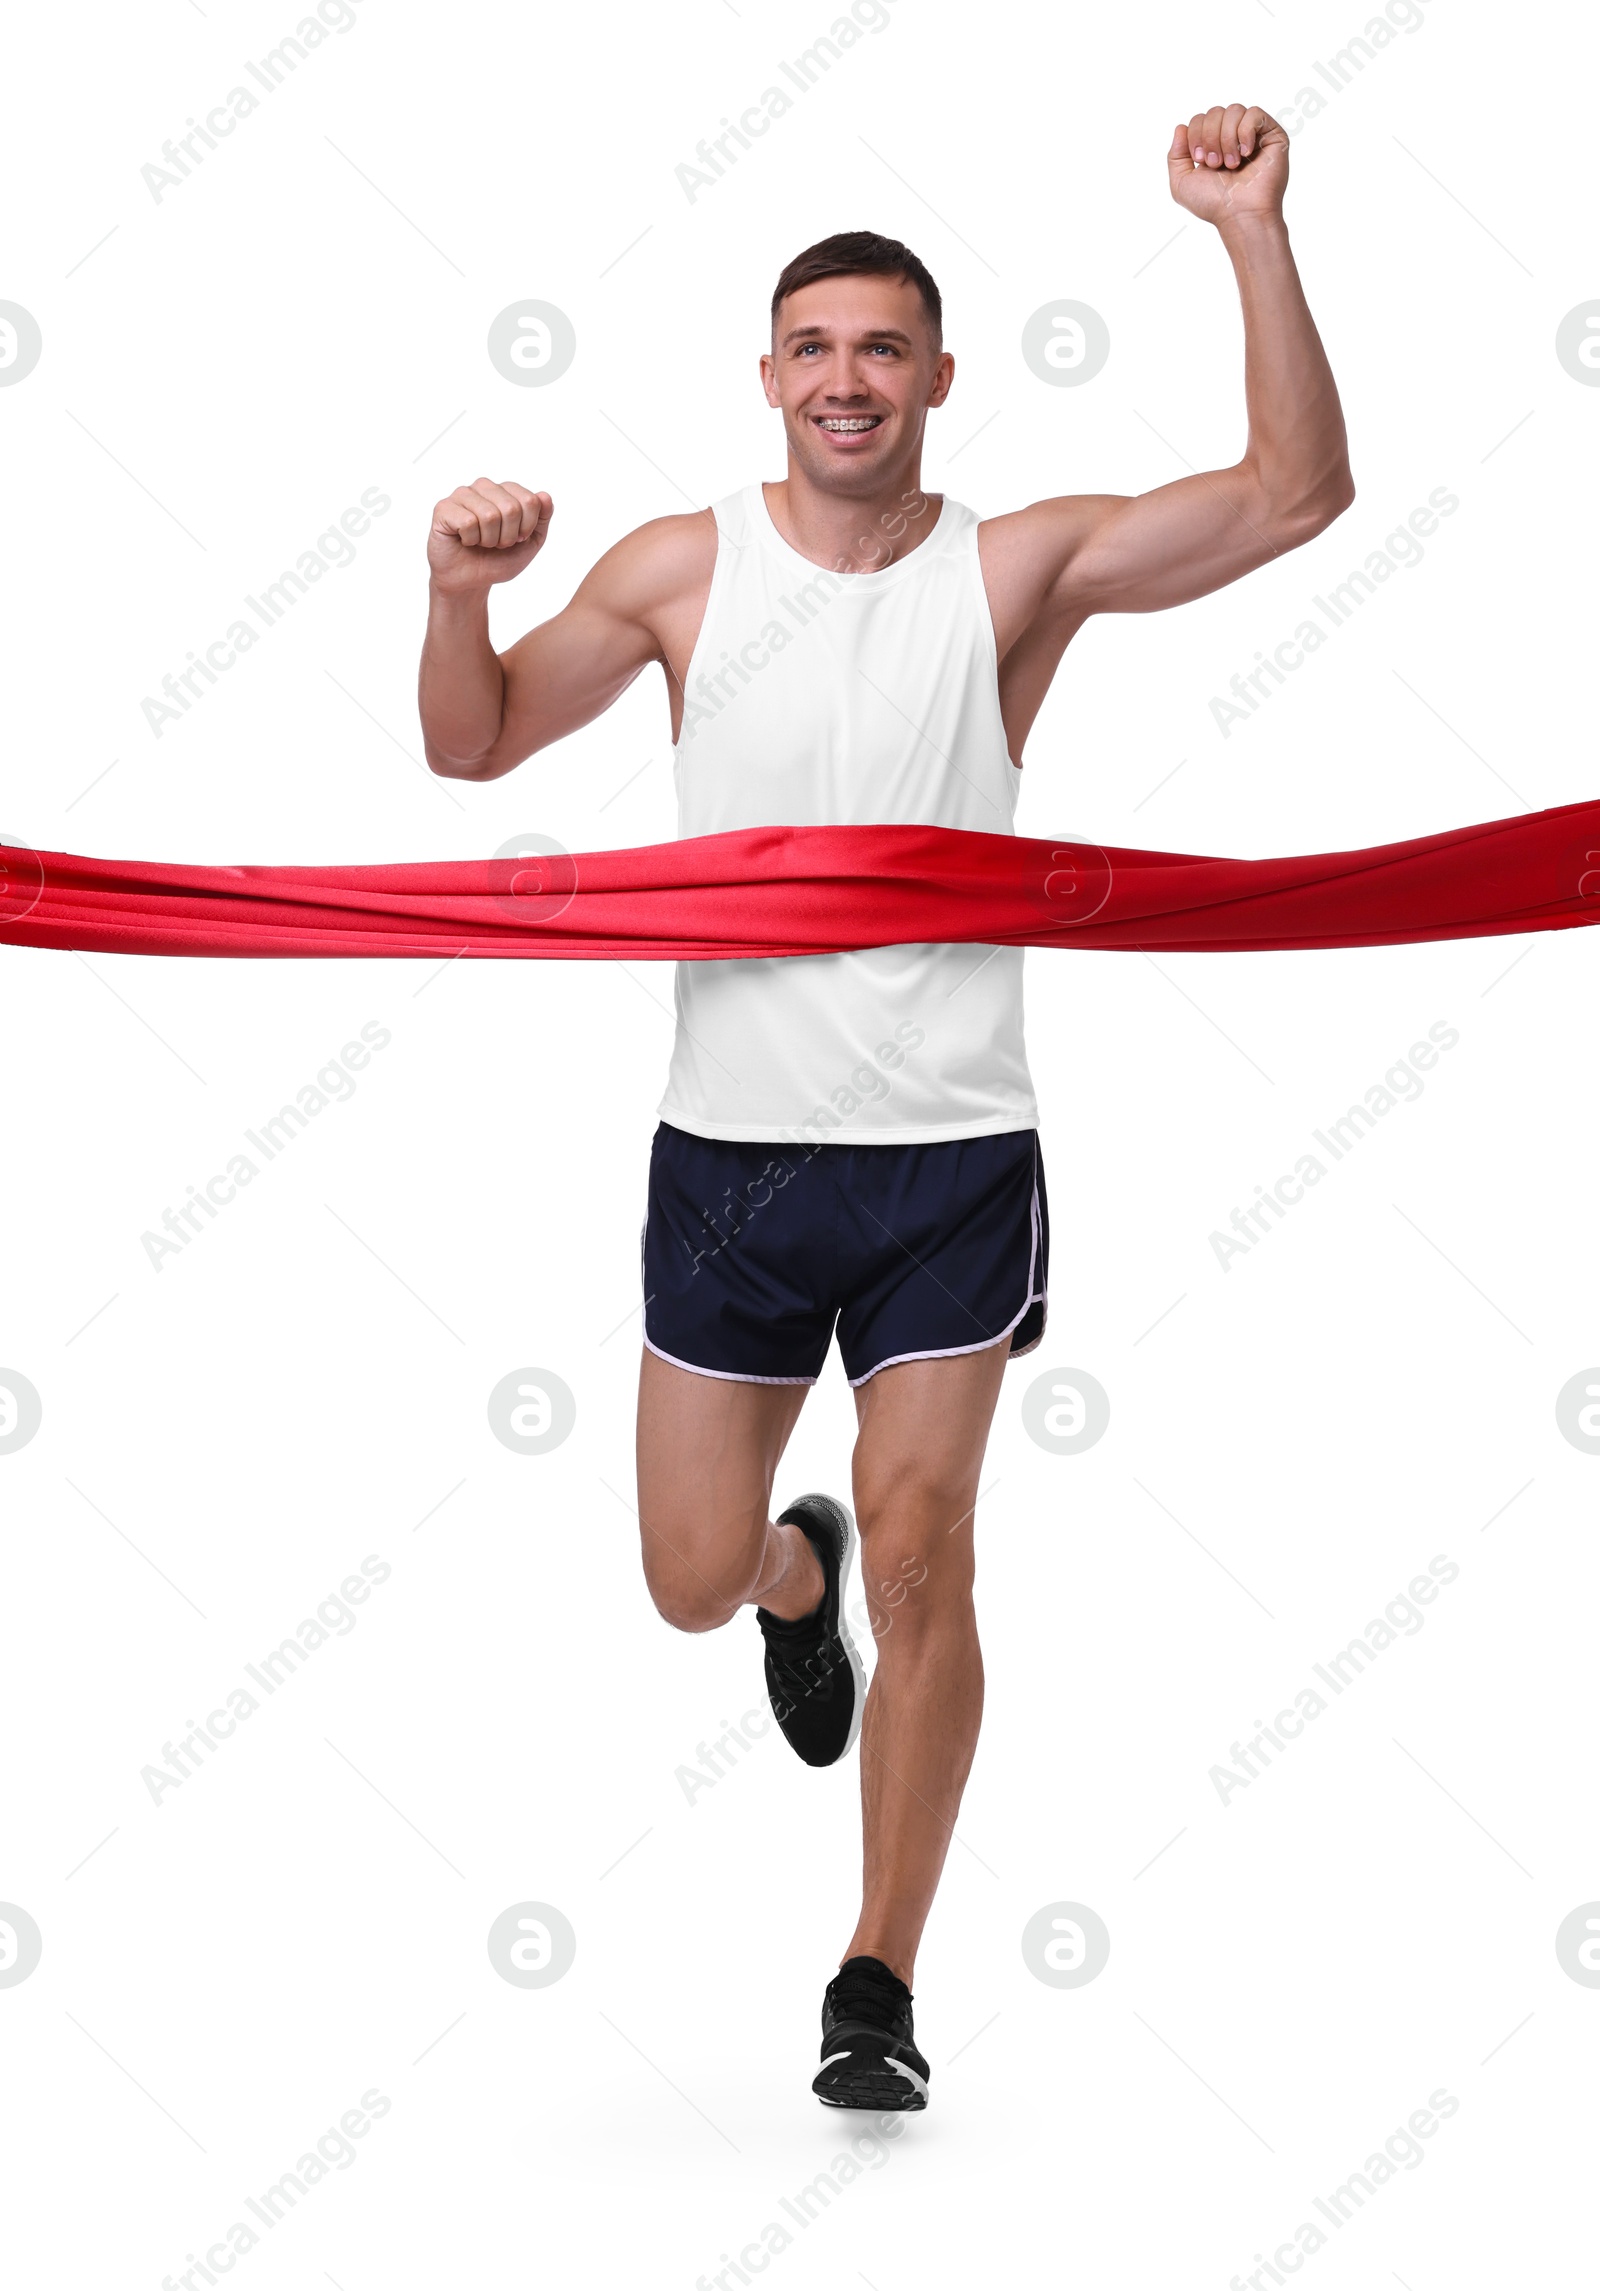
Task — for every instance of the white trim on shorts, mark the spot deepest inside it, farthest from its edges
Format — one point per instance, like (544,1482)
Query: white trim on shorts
(896,1360)
(725,1375)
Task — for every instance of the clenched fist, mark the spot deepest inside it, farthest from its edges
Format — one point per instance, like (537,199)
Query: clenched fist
(483,533)
(1231,160)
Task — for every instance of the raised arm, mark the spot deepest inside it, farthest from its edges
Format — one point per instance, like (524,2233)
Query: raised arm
(482,711)
(1086,553)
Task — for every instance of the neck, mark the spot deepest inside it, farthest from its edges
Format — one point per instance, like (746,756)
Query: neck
(853,533)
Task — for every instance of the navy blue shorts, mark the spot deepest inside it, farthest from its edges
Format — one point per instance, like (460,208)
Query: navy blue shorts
(752,1252)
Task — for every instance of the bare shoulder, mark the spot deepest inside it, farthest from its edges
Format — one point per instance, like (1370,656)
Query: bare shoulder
(656,566)
(1027,554)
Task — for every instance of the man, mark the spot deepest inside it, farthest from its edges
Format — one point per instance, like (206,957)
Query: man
(853,1136)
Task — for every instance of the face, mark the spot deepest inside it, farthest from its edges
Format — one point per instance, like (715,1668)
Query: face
(854,368)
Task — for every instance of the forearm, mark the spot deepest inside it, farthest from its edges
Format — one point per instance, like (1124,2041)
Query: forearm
(460,686)
(1297,450)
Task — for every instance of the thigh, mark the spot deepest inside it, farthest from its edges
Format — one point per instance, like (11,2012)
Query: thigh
(708,1450)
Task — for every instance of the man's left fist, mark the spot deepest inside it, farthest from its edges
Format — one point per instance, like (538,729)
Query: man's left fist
(1231,160)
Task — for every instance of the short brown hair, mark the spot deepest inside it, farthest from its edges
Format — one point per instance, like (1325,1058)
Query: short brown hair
(854,253)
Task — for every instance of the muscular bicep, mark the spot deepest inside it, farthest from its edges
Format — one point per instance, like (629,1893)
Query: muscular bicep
(634,607)
(1053,564)
(1146,551)
(565,673)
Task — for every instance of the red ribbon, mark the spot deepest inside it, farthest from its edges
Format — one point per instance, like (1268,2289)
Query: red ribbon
(815,890)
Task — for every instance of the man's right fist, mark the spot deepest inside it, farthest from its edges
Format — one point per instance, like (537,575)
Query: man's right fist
(483,533)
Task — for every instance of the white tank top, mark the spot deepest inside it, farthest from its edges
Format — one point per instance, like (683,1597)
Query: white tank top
(818,698)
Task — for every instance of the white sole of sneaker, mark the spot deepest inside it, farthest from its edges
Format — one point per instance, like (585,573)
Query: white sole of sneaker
(857,1666)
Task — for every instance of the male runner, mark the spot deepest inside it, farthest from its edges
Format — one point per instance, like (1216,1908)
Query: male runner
(853,1136)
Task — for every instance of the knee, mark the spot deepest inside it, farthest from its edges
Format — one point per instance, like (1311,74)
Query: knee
(917,1580)
(900,1494)
(686,1600)
(913,1520)
(700,1557)
(698,1575)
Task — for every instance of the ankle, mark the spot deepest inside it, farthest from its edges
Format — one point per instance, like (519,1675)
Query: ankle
(798,1588)
(896,1961)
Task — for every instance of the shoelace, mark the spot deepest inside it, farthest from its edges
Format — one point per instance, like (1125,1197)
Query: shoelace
(802,1669)
(864,1993)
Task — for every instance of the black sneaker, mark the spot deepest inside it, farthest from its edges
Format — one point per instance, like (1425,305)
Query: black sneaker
(869,2056)
(815,1677)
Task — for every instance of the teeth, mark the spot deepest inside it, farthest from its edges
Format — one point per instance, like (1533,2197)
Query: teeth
(866,422)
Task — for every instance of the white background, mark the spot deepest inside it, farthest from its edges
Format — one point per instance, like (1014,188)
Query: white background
(1290,1440)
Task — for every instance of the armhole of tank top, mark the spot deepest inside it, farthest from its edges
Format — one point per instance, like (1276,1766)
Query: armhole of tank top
(985,613)
(992,655)
(726,548)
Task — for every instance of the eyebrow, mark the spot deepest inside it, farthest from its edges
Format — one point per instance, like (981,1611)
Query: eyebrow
(874,334)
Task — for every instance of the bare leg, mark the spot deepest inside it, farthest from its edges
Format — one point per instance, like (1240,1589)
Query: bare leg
(923,1427)
(708,1449)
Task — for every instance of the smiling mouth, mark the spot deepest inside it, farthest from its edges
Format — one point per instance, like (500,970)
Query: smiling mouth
(848,425)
